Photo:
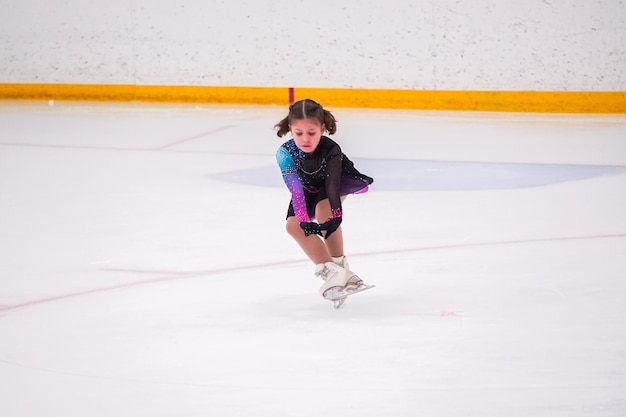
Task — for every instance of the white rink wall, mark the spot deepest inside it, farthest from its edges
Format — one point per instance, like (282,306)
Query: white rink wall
(536,45)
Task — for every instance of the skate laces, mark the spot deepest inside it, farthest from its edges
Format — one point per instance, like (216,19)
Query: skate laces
(326,271)
(342,261)
(322,271)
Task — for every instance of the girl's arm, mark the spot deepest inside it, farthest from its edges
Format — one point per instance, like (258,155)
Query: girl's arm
(333,180)
(290,176)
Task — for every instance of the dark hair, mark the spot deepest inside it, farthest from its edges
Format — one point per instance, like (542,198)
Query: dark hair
(307,109)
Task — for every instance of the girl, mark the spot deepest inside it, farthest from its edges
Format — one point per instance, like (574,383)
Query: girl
(319,177)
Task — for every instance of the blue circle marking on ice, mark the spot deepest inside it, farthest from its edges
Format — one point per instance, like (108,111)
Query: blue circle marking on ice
(418,175)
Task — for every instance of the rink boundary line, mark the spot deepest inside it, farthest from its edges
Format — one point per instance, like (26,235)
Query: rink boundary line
(167,276)
(165,148)
(495,243)
(194,137)
(160,148)
(607,102)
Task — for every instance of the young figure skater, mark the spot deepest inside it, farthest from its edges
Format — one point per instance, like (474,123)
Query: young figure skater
(319,177)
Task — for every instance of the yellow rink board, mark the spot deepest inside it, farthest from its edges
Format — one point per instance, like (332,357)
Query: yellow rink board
(501,101)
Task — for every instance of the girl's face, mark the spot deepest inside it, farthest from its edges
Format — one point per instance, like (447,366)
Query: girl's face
(307,133)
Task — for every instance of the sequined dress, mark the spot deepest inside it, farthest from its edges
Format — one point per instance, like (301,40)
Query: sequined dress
(323,173)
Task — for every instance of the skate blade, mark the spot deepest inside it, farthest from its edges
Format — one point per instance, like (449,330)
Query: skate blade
(339,295)
(334,293)
(338,303)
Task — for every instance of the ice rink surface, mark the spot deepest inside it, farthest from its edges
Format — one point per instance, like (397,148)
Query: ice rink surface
(145,270)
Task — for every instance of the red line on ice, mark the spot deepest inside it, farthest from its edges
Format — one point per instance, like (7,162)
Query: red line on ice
(199,135)
(179,275)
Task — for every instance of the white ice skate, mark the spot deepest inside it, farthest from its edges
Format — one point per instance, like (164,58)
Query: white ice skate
(340,282)
(353,279)
(334,276)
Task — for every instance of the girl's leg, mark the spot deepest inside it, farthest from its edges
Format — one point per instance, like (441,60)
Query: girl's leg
(312,246)
(334,243)
(318,250)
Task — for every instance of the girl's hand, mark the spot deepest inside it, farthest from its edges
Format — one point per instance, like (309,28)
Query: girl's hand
(311,228)
(330,225)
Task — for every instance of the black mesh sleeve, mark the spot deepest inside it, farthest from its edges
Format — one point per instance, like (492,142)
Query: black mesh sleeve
(334,171)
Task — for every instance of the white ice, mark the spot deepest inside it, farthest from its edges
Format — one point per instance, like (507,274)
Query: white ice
(138,281)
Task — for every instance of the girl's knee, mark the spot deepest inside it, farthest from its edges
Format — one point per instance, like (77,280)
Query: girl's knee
(293,227)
